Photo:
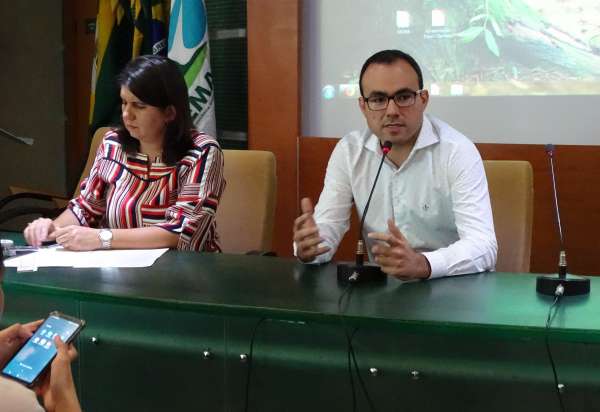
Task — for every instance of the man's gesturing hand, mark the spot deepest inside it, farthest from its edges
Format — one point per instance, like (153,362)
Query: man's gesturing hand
(396,257)
(306,234)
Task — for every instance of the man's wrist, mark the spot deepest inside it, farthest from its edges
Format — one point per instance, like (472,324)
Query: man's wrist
(305,259)
(425,271)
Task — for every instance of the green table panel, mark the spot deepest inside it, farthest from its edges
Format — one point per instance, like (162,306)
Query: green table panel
(293,364)
(492,303)
(466,343)
(150,359)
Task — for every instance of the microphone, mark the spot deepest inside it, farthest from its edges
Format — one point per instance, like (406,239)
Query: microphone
(359,271)
(564,284)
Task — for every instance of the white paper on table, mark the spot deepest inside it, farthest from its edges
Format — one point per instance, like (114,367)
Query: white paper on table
(58,257)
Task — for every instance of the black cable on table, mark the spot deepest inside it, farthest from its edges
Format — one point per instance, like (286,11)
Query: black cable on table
(350,350)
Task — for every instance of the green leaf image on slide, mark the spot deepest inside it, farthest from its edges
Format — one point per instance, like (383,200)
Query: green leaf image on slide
(504,47)
(480,23)
(470,34)
(491,43)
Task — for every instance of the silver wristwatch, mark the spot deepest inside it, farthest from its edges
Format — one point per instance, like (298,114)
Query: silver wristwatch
(106,237)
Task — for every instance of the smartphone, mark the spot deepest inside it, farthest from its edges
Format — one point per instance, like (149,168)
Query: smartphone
(28,364)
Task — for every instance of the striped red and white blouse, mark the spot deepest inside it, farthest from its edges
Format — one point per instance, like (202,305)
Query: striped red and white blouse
(125,191)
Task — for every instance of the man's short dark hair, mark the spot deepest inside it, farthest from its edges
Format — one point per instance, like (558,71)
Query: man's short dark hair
(389,57)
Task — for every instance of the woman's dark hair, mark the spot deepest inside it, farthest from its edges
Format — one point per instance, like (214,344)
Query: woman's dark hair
(157,81)
(390,57)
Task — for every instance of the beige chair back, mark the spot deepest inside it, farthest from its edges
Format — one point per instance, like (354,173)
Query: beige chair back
(246,211)
(511,194)
(96,140)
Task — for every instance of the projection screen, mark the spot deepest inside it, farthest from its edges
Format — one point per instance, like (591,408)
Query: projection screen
(500,71)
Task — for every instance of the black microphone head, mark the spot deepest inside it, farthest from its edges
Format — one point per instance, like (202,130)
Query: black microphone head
(549,149)
(386,147)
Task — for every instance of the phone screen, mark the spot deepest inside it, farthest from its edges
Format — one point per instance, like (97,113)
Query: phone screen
(39,350)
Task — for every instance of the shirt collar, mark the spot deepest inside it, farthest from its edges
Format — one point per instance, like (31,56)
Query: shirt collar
(427,136)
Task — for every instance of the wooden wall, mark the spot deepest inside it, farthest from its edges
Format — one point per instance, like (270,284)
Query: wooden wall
(78,57)
(274,72)
(577,180)
(274,101)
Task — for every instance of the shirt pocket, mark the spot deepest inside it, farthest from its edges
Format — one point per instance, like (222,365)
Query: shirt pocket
(426,205)
(426,215)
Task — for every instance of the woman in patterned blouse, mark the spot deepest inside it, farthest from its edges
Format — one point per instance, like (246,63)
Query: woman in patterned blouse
(155,182)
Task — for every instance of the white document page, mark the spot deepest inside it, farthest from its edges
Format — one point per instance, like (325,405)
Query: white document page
(58,257)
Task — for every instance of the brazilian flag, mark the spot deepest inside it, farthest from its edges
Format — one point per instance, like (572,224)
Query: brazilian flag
(125,29)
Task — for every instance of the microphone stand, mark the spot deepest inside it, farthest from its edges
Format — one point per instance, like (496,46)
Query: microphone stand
(564,284)
(359,271)
(25,140)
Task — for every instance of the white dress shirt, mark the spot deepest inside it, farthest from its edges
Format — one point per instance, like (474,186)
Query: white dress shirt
(438,198)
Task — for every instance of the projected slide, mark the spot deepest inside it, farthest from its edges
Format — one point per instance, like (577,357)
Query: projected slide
(471,47)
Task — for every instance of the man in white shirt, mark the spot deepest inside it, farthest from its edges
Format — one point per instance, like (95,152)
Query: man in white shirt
(430,214)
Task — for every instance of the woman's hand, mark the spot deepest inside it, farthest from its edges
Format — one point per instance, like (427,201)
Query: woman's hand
(13,337)
(39,230)
(57,388)
(75,237)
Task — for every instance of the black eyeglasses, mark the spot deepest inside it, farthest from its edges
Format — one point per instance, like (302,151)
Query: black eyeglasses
(380,101)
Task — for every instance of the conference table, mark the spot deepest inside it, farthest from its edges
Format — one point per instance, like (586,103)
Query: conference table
(212,332)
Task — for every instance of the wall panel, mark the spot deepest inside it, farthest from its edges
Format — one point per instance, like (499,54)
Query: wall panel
(78,34)
(274,101)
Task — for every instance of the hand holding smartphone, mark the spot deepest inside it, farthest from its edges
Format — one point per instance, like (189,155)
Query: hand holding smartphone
(29,363)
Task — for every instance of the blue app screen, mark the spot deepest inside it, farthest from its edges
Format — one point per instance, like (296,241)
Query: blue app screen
(40,349)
